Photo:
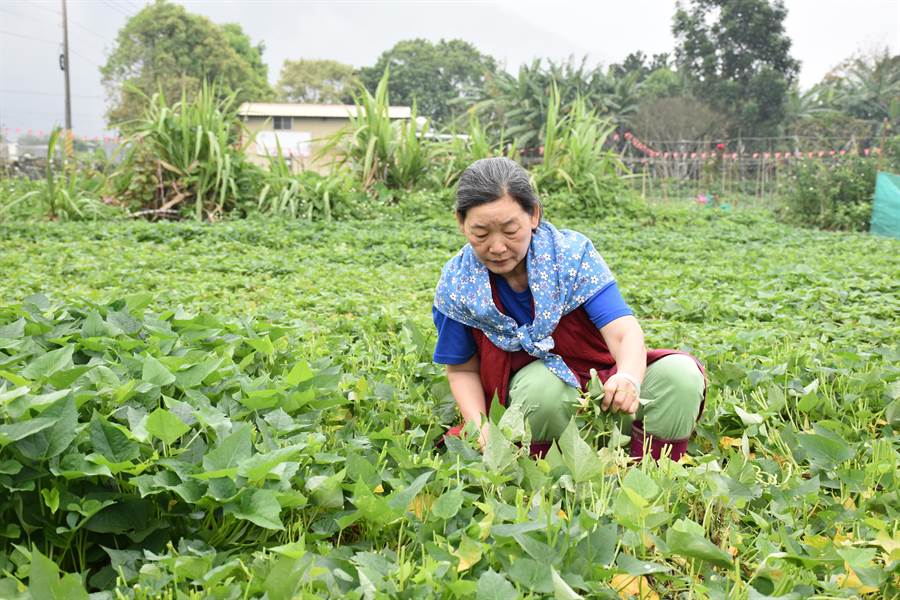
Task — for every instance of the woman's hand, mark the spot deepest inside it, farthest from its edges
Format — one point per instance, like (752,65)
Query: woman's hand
(483,436)
(625,340)
(620,395)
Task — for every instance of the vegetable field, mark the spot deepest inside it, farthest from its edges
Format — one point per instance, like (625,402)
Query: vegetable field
(249,409)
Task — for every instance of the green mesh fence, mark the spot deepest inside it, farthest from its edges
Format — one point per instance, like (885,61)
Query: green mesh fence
(886,207)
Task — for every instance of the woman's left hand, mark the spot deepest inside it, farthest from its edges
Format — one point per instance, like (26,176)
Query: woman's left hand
(620,395)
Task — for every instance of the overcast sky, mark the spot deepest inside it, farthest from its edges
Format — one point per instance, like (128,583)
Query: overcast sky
(824,32)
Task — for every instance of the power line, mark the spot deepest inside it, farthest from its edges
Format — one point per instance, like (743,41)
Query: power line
(116,7)
(15,14)
(17,111)
(37,39)
(42,7)
(87,29)
(71,20)
(85,58)
(37,93)
(132,5)
(30,37)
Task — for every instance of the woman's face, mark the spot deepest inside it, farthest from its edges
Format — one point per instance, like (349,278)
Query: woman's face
(500,232)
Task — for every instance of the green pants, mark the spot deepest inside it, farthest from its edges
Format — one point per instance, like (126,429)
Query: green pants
(672,386)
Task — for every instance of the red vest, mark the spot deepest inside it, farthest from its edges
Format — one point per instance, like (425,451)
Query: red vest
(576,339)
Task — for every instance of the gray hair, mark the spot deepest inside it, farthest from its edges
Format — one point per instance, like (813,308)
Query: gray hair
(490,179)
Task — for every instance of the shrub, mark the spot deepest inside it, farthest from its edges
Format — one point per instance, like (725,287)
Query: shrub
(378,150)
(459,151)
(65,193)
(837,195)
(575,162)
(184,156)
(832,196)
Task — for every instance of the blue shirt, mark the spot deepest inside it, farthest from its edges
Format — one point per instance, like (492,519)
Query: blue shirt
(455,343)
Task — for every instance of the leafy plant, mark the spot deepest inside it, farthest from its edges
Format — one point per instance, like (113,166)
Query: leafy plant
(378,149)
(836,195)
(457,152)
(67,194)
(192,146)
(260,418)
(574,159)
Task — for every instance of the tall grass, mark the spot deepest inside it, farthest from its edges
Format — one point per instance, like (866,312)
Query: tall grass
(458,152)
(69,194)
(306,195)
(378,150)
(574,159)
(193,145)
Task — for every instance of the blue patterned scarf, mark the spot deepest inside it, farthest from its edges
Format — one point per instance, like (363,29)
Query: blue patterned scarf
(564,271)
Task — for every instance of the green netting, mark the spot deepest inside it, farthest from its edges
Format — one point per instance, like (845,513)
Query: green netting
(886,207)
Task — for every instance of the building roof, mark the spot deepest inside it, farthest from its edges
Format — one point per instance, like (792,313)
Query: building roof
(328,111)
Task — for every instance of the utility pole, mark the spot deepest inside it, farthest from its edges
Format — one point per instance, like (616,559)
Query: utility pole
(64,65)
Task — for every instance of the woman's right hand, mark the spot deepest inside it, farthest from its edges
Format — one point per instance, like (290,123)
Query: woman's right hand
(483,435)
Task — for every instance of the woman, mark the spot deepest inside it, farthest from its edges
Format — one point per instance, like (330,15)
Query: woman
(525,312)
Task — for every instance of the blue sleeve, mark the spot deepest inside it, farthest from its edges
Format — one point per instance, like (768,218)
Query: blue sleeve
(455,344)
(606,306)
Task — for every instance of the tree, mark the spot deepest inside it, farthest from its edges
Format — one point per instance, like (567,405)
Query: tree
(635,62)
(322,81)
(868,87)
(662,83)
(676,119)
(439,78)
(165,47)
(518,104)
(737,57)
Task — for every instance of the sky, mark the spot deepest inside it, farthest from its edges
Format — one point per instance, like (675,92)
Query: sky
(824,32)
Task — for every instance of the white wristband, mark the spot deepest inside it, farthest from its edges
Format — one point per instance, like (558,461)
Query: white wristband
(629,378)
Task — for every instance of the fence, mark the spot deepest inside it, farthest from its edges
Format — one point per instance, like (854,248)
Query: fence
(749,166)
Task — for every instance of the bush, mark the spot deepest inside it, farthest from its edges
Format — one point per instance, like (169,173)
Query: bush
(459,151)
(575,163)
(184,156)
(375,149)
(834,196)
(65,193)
(837,195)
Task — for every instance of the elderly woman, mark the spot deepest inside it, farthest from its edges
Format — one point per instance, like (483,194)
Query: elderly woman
(525,311)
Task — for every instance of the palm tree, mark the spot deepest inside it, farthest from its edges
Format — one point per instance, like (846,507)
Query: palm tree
(518,105)
(871,87)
